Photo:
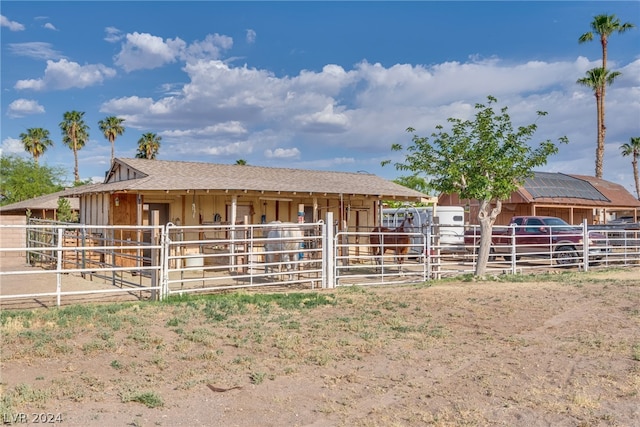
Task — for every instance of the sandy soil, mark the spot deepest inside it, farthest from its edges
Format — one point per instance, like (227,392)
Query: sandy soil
(560,352)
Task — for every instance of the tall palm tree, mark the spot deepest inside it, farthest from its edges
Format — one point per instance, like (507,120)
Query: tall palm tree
(111,128)
(36,141)
(603,26)
(632,148)
(148,146)
(75,134)
(597,79)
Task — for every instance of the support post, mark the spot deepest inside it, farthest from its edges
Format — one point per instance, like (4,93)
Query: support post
(155,253)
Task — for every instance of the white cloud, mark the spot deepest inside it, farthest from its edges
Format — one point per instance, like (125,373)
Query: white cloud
(144,51)
(251,36)
(11,146)
(64,74)
(35,50)
(24,107)
(114,35)
(232,129)
(219,93)
(128,105)
(227,110)
(325,121)
(11,25)
(50,26)
(234,148)
(282,153)
(210,48)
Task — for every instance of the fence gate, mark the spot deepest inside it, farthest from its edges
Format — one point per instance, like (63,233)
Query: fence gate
(374,257)
(216,257)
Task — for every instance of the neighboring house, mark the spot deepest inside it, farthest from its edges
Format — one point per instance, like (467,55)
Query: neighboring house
(193,193)
(43,207)
(573,198)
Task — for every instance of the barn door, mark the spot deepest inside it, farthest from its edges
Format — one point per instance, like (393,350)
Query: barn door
(148,208)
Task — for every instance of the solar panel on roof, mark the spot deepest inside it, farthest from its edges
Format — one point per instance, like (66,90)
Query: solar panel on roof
(553,185)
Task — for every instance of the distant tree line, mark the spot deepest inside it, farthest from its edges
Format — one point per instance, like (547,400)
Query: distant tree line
(75,134)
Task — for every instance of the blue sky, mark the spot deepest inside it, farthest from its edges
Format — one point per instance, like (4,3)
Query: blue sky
(318,85)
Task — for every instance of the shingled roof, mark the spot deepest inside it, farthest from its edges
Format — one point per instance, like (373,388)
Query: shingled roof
(47,202)
(179,176)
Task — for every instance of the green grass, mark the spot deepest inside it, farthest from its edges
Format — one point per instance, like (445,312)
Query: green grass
(635,352)
(148,398)
(257,377)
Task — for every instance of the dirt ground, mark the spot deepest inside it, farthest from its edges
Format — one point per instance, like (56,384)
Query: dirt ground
(561,350)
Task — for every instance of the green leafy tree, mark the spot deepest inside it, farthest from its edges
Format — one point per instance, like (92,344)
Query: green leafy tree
(597,79)
(75,134)
(414,182)
(148,146)
(24,179)
(241,162)
(111,128)
(632,148)
(64,212)
(36,141)
(485,159)
(602,27)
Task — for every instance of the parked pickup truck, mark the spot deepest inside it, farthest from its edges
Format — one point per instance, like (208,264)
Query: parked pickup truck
(541,237)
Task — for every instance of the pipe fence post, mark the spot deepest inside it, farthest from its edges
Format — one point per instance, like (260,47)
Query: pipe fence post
(585,244)
(60,253)
(328,254)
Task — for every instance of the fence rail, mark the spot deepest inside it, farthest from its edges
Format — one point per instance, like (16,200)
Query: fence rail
(71,261)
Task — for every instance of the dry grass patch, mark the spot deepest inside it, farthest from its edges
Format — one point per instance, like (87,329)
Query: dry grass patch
(511,350)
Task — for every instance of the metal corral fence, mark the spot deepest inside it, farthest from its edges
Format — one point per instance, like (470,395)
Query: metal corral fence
(74,261)
(581,246)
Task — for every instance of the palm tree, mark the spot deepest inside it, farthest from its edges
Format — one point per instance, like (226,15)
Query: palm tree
(603,26)
(111,128)
(241,162)
(75,134)
(36,141)
(148,146)
(632,148)
(597,79)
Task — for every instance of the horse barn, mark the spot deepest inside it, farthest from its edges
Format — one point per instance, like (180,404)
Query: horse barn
(192,193)
(206,201)
(574,198)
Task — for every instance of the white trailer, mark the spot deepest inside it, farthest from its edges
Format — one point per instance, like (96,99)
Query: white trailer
(445,224)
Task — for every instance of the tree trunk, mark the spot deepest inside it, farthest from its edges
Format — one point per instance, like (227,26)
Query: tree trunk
(602,129)
(636,178)
(600,142)
(486,218)
(76,172)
